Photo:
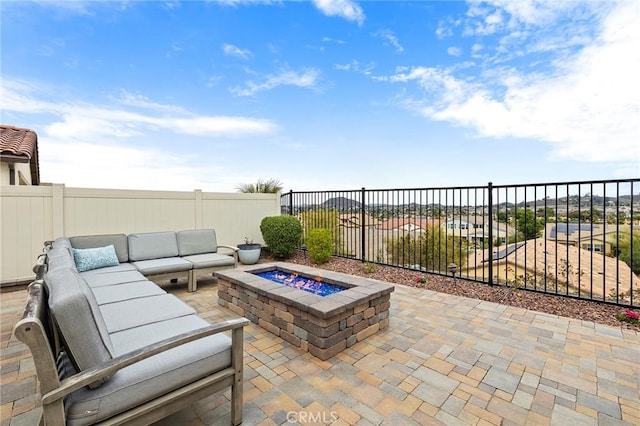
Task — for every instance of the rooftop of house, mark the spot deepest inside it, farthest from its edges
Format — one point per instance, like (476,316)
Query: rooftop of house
(591,271)
(422,223)
(19,145)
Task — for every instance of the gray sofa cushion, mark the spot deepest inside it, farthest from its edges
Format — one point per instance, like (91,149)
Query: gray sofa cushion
(162,266)
(122,267)
(63,242)
(210,260)
(119,241)
(120,292)
(197,241)
(152,245)
(76,311)
(155,376)
(133,313)
(113,278)
(60,257)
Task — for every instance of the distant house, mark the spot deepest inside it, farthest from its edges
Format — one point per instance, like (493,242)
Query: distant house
(588,236)
(476,229)
(542,262)
(18,156)
(352,220)
(408,224)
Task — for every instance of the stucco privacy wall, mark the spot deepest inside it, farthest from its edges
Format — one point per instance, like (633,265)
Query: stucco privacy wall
(31,215)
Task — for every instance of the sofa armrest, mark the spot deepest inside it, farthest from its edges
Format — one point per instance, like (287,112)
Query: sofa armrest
(108,368)
(234,249)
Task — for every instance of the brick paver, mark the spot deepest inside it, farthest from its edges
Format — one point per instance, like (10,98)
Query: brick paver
(442,360)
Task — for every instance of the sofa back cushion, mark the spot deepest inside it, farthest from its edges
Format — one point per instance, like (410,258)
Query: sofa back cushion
(60,257)
(152,245)
(197,241)
(77,314)
(63,242)
(119,241)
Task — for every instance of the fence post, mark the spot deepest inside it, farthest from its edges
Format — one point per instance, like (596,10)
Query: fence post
(197,207)
(363,228)
(490,198)
(291,202)
(57,203)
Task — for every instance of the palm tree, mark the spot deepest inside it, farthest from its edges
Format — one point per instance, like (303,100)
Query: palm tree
(269,186)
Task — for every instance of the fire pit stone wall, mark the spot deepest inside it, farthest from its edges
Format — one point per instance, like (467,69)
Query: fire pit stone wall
(323,326)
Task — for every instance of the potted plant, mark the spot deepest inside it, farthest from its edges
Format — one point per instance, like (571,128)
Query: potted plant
(249,252)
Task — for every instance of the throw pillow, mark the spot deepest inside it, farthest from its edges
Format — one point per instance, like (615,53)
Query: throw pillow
(94,258)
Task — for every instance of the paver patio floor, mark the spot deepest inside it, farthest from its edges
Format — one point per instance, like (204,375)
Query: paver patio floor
(443,360)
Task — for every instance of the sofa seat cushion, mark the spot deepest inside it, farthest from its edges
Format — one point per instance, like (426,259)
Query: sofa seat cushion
(132,339)
(162,266)
(113,278)
(210,260)
(155,376)
(127,291)
(132,313)
(122,267)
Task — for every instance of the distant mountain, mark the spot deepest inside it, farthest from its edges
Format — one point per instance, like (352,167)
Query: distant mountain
(341,203)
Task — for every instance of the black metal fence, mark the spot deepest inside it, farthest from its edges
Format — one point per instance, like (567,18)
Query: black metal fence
(575,239)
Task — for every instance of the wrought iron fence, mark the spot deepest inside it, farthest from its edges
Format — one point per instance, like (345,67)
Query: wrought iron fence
(575,239)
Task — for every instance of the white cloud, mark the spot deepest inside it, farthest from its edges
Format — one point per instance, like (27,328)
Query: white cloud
(231,50)
(81,118)
(587,107)
(346,9)
(446,27)
(175,47)
(476,50)
(305,79)
(247,2)
(85,144)
(390,38)
(454,51)
(332,40)
(355,66)
(140,101)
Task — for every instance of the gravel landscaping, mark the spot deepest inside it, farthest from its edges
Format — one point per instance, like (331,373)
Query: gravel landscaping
(580,309)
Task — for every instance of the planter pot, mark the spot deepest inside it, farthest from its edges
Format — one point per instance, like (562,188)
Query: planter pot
(248,254)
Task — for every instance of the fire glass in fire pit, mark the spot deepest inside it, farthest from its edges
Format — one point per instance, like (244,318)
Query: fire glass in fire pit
(315,285)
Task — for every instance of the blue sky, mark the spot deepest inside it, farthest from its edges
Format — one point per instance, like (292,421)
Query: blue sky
(324,94)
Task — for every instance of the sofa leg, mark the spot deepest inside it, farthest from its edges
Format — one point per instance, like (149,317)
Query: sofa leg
(192,282)
(237,336)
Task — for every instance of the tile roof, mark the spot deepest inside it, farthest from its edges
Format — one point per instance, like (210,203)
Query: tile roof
(20,145)
(594,271)
(422,223)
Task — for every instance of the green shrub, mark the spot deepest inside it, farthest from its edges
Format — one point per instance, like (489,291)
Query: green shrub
(319,244)
(432,250)
(282,234)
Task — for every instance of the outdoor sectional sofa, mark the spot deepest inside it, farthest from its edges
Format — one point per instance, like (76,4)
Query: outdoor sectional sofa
(110,346)
(164,254)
